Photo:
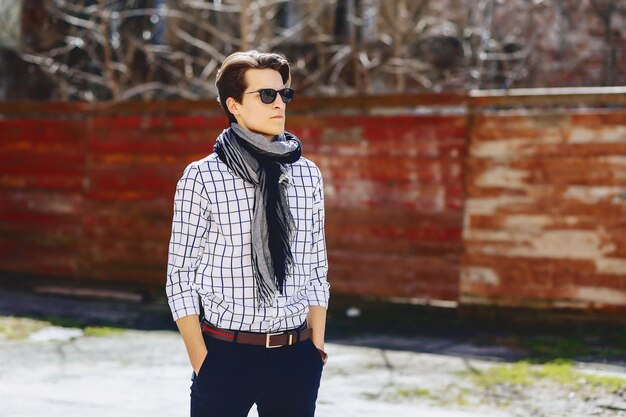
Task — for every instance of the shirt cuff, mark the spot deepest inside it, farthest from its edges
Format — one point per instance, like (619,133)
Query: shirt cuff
(318,294)
(184,305)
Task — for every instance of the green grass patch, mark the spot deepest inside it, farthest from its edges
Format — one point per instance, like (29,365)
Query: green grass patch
(62,322)
(516,374)
(102,331)
(452,395)
(413,393)
(612,384)
(558,371)
(556,347)
(589,346)
(19,328)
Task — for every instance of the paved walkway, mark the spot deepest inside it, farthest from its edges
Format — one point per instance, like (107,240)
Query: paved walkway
(394,372)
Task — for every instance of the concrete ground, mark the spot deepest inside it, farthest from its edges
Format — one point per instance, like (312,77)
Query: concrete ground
(60,360)
(61,372)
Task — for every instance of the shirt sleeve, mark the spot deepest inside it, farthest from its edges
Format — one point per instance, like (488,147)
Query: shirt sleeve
(187,242)
(318,288)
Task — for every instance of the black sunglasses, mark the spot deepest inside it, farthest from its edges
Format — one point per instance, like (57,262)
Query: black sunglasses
(268,95)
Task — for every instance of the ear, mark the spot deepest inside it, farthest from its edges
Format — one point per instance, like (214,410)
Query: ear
(233,106)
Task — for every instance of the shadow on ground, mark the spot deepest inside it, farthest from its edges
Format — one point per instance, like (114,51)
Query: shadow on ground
(366,322)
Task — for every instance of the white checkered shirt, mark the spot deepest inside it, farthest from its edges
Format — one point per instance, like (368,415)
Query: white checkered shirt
(210,251)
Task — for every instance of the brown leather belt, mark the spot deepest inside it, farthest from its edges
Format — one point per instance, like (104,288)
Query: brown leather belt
(269,340)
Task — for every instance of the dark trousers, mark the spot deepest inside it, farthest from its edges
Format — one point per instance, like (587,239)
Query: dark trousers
(283,382)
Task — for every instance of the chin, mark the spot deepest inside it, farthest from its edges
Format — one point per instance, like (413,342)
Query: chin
(271,131)
(271,127)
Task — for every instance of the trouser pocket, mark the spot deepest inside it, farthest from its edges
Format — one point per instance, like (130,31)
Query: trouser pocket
(202,370)
(315,352)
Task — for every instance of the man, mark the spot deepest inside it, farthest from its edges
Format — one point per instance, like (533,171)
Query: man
(248,247)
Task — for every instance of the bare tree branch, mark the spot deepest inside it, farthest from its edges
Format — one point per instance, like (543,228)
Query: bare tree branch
(142,49)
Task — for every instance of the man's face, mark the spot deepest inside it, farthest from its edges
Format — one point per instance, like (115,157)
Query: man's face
(252,113)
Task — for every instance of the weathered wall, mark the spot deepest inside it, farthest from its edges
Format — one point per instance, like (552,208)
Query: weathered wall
(91,199)
(42,162)
(394,197)
(545,218)
(513,200)
(88,196)
(132,165)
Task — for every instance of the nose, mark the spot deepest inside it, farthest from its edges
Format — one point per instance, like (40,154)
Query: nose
(278,102)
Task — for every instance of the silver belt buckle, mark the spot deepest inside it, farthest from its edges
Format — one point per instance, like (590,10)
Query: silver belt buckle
(269,335)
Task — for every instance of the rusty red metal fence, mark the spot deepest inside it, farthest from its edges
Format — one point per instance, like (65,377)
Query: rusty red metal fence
(511,199)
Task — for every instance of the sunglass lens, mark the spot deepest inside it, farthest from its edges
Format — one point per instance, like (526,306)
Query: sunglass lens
(287,94)
(268,95)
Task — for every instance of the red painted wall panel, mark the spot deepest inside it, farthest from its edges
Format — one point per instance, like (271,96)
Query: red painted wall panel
(41,200)
(394,197)
(517,204)
(393,189)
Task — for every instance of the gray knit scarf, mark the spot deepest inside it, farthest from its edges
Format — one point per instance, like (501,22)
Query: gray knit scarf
(261,163)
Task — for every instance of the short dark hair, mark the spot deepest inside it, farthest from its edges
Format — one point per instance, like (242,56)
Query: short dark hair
(231,81)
